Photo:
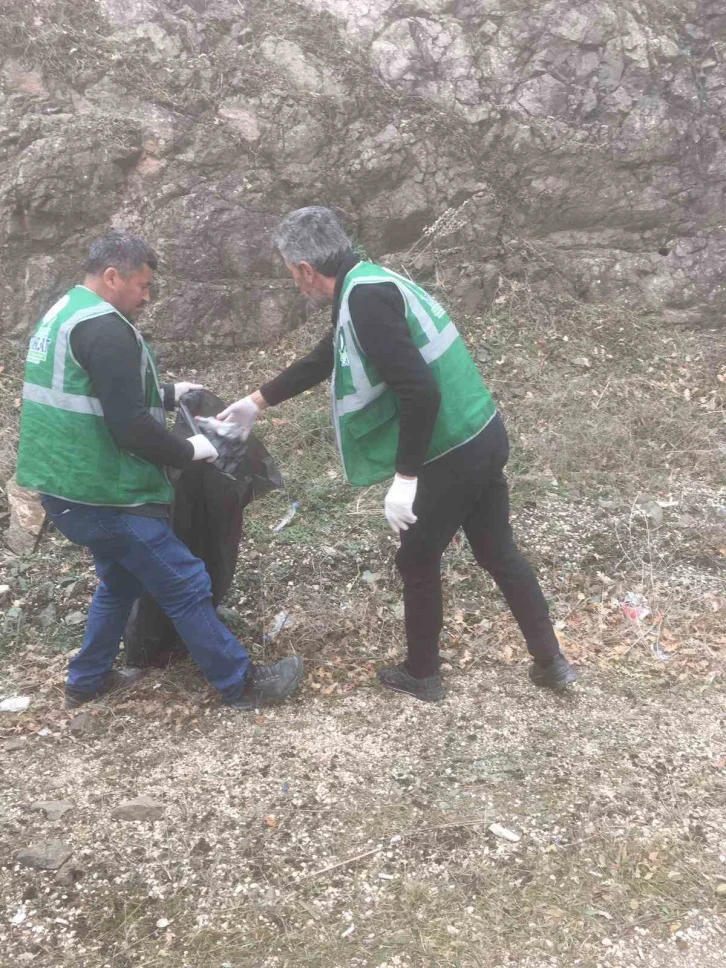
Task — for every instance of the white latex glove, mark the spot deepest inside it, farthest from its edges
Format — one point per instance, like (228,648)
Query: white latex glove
(244,413)
(399,503)
(203,449)
(181,388)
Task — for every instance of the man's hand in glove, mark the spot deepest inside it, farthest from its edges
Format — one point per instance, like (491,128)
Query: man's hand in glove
(244,412)
(203,448)
(399,503)
(181,388)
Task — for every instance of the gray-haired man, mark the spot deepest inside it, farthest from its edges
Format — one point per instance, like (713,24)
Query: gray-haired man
(409,403)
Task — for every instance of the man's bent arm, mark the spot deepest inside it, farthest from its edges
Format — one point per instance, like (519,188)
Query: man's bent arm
(107,350)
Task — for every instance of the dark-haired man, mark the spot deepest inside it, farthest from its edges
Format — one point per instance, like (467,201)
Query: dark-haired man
(94,444)
(409,404)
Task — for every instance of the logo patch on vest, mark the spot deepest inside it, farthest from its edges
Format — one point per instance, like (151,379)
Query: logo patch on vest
(38,349)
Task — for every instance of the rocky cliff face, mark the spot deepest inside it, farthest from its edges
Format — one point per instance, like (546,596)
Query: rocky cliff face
(576,145)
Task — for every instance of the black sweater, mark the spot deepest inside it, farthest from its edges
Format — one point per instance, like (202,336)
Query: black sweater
(378,317)
(107,350)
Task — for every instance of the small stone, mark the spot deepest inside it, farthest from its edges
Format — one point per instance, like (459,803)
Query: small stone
(142,808)
(371,577)
(14,744)
(651,509)
(69,874)
(48,616)
(4,590)
(12,617)
(75,618)
(81,724)
(504,833)
(15,704)
(721,889)
(48,855)
(45,592)
(686,521)
(53,809)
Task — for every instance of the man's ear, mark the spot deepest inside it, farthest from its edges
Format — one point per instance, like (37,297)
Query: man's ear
(307,271)
(111,277)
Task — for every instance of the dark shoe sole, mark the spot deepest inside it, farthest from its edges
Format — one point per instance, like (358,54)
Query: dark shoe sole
(254,702)
(540,680)
(414,695)
(121,683)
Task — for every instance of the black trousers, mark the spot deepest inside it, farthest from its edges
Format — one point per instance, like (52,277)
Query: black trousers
(467,488)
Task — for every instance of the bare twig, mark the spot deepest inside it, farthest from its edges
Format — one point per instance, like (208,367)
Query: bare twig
(342,863)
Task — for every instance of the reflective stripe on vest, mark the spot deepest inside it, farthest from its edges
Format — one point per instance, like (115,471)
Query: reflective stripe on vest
(63,337)
(62,401)
(366,410)
(78,403)
(65,447)
(438,343)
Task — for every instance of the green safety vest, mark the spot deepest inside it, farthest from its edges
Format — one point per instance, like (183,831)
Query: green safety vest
(66,449)
(366,410)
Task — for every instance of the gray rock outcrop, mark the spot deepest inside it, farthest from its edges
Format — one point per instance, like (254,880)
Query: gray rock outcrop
(581,144)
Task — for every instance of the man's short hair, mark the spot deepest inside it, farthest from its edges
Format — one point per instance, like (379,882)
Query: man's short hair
(119,250)
(313,235)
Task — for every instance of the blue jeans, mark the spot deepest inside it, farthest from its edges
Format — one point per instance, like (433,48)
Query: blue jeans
(134,554)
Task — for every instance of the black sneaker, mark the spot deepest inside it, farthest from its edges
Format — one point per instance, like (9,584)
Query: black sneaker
(268,684)
(430,689)
(557,674)
(116,681)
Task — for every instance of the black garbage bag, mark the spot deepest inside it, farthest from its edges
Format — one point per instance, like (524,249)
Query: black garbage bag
(207,513)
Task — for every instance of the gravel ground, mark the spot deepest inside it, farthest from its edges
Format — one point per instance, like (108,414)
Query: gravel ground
(351,827)
(354,830)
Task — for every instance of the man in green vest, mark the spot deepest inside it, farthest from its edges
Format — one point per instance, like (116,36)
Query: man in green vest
(93,442)
(408,403)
